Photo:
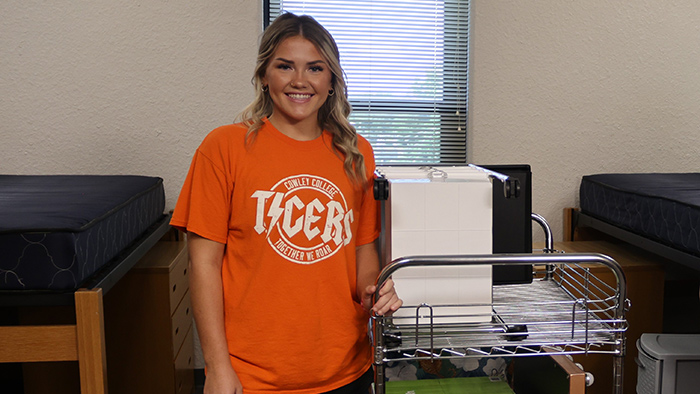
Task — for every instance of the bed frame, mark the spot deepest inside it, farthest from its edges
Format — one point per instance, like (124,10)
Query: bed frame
(575,220)
(83,341)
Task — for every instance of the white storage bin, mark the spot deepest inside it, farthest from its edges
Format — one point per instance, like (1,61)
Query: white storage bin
(440,211)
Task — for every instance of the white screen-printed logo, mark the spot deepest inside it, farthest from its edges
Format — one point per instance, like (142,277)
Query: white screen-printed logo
(305,218)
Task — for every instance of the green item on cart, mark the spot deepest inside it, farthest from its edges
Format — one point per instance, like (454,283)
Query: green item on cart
(476,385)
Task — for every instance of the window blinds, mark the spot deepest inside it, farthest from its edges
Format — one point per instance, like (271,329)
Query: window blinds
(407,72)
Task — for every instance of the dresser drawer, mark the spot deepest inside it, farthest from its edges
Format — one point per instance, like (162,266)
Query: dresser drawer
(166,264)
(184,365)
(179,280)
(181,322)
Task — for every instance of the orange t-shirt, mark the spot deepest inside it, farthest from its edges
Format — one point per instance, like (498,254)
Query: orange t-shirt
(290,219)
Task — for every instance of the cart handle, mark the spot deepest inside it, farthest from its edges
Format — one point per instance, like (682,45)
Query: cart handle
(510,259)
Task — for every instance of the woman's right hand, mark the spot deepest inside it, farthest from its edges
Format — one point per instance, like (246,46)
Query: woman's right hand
(222,381)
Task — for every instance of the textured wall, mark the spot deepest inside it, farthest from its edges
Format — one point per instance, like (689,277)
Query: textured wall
(581,87)
(120,87)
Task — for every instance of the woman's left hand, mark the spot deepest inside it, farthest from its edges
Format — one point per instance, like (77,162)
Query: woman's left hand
(387,303)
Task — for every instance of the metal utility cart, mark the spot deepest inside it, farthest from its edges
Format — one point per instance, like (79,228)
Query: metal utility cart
(565,310)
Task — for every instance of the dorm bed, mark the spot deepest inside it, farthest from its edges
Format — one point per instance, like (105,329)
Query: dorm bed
(658,212)
(67,240)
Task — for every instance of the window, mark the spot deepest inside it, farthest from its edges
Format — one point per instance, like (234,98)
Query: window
(407,66)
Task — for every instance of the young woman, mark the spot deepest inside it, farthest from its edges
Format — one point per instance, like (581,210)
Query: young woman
(282,225)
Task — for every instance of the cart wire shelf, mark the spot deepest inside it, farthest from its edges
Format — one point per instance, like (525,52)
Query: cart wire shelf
(565,310)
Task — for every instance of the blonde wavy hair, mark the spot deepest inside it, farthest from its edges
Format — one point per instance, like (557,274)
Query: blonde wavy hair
(333,114)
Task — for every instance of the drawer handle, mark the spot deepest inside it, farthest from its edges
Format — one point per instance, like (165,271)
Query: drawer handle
(177,329)
(184,272)
(187,311)
(174,287)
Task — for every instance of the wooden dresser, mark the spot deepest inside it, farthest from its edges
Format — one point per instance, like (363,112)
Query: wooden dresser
(149,325)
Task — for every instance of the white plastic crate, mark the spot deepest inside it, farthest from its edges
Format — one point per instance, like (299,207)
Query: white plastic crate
(440,211)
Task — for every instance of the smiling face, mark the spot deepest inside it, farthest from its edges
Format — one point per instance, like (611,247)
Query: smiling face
(298,79)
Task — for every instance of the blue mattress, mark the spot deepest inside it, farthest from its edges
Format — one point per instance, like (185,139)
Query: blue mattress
(58,230)
(661,207)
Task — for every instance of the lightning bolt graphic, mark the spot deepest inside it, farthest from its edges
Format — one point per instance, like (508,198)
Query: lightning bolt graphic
(275,211)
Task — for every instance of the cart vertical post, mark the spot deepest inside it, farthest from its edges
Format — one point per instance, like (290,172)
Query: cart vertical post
(378,349)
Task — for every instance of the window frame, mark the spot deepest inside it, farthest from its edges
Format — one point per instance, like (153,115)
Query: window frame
(453,110)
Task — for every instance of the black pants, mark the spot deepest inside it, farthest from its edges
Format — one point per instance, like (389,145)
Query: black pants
(362,385)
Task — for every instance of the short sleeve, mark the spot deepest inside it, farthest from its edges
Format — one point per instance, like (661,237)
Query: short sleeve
(369,226)
(203,206)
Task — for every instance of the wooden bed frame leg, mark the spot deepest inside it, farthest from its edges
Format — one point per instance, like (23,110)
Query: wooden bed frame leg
(92,359)
(569,225)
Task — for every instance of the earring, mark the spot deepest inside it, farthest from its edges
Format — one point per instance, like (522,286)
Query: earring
(331,92)
(265,88)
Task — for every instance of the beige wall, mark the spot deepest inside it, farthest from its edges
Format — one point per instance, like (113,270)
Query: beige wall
(120,87)
(582,87)
(571,87)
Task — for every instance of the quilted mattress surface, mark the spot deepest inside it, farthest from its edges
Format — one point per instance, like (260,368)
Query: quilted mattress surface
(57,230)
(661,207)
